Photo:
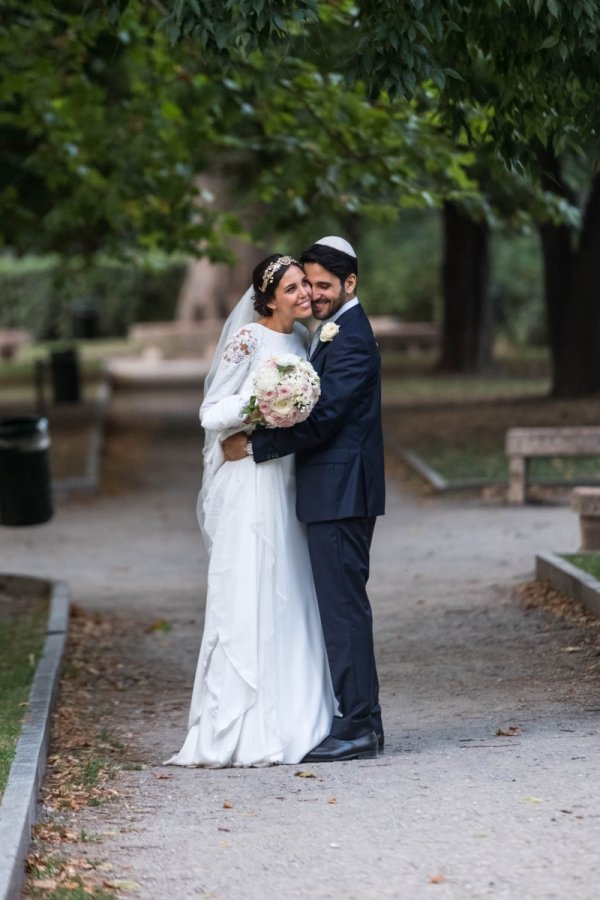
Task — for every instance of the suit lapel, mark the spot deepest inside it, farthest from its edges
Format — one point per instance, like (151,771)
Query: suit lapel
(317,350)
(345,317)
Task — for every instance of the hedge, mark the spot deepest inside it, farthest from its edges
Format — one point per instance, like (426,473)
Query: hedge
(43,297)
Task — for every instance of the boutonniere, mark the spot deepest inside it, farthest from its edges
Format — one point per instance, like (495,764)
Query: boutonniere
(328,332)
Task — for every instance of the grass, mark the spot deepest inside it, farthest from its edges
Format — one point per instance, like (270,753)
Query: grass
(589,562)
(22,631)
(458,424)
(456,462)
(456,388)
(519,372)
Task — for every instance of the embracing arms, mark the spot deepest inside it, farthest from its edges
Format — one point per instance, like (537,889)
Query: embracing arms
(351,368)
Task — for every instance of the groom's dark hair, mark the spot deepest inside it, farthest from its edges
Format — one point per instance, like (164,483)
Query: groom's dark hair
(335,261)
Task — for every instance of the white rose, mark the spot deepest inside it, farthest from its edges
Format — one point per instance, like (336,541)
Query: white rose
(282,406)
(287,359)
(328,332)
(266,379)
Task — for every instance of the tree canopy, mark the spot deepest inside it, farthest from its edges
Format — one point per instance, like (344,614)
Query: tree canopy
(357,108)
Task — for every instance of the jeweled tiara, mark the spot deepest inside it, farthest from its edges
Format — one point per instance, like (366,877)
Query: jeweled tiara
(274,267)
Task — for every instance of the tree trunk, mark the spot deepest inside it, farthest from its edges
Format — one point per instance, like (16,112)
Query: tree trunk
(572,291)
(210,290)
(583,329)
(468,318)
(557,254)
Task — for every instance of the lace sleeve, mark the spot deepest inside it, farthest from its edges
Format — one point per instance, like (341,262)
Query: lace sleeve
(222,406)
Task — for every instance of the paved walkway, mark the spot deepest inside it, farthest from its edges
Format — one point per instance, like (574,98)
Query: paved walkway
(451,810)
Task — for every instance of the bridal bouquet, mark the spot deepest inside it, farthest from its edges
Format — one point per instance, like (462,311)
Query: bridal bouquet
(285,390)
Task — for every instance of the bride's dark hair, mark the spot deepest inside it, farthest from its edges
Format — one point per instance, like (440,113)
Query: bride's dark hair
(265,282)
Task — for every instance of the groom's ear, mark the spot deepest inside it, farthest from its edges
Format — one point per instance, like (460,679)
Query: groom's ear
(350,285)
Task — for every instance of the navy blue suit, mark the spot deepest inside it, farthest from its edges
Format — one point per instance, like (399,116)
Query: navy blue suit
(340,491)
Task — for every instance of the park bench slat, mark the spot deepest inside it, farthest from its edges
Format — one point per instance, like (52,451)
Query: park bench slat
(524,443)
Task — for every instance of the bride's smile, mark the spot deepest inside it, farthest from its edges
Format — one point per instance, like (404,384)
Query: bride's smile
(291,301)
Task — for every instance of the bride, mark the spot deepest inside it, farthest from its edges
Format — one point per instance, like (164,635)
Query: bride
(262,692)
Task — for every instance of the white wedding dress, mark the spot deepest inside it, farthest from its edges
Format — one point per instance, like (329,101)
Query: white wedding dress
(262,692)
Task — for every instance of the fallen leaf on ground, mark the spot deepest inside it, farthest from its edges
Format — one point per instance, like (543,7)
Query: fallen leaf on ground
(511,731)
(332,800)
(530,799)
(159,625)
(227,804)
(303,774)
(438,879)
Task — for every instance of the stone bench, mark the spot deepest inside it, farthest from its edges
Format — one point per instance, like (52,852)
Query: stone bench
(522,444)
(586,503)
(392,334)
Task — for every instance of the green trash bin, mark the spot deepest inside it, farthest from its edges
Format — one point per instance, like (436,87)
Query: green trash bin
(25,486)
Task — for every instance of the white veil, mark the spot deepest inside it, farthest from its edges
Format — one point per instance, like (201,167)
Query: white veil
(242,314)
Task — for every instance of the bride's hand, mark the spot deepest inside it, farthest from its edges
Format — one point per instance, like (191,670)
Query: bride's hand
(234,447)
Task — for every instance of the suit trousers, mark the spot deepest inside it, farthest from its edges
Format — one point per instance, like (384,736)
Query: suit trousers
(339,554)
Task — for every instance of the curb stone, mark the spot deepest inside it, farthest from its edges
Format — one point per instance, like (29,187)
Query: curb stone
(569,579)
(18,805)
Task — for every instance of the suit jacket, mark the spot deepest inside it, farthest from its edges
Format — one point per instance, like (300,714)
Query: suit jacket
(339,448)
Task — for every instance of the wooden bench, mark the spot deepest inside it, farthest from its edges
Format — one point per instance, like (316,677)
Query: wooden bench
(522,444)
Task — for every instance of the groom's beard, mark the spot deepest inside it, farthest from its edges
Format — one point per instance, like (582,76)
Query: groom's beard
(326,308)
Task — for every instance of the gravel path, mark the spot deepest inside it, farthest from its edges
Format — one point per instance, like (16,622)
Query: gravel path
(451,810)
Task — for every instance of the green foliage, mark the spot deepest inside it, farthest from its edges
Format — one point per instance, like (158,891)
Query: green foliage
(400,267)
(517,283)
(51,299)
(246,25)
(400,274)
(314,109)
(532,66)
(325,150)
(100,151)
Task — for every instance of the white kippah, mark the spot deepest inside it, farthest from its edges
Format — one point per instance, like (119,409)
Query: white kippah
(337,243)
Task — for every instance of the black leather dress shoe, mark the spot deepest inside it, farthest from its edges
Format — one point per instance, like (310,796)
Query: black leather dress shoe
(336,750)
(380,741)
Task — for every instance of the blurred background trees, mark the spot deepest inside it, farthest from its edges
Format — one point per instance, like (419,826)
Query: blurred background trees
(456,144)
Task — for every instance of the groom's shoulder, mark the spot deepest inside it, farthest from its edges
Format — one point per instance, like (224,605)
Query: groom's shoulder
(357,320)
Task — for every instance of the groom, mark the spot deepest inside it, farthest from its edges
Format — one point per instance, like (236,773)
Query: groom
(340,490)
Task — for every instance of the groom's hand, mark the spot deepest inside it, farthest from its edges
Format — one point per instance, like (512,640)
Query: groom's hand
(234,447)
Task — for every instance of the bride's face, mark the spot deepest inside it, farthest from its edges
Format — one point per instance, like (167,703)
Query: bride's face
(293,296)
